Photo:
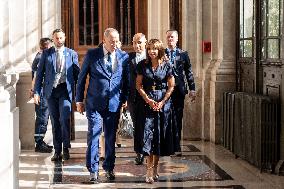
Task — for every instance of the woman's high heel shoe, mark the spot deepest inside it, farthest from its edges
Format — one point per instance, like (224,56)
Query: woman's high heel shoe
(149,175)
(155,172)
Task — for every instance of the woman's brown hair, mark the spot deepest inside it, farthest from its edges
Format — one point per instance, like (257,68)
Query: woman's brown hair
(157,44)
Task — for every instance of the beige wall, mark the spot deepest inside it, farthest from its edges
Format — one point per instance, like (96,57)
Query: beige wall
(215,70)
(158,19)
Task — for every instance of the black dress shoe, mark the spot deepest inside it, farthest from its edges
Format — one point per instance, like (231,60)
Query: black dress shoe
(48,146)
(139,159)
(66,154)
(110,175)
(42,148)
(56,157)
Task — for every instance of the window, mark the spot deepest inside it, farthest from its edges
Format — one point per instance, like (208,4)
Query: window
(246,28)
(259,46)
(271,19)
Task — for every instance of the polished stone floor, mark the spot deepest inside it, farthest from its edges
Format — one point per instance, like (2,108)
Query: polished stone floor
(203,165)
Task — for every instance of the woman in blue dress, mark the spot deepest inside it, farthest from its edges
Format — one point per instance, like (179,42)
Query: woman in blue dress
(155,83)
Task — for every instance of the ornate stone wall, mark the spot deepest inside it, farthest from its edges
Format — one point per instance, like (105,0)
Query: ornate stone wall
(214,71)
(9,136)
(22,24)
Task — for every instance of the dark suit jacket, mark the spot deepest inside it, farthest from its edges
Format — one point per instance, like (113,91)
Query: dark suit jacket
(104,90)
(133,94)
(182,70)
(35,63)
(47,70)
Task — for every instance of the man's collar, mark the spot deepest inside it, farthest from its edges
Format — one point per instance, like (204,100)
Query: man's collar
(106,51)
(143,53)
(169,50)
(61,49)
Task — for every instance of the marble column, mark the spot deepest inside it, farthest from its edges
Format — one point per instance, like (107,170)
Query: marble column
(9,137)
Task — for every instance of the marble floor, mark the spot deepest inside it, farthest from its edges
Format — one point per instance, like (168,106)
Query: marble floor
(203,165)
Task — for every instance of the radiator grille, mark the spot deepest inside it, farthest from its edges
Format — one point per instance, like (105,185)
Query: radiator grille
(251,128)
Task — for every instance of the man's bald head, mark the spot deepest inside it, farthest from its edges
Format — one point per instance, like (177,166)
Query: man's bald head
(139,42)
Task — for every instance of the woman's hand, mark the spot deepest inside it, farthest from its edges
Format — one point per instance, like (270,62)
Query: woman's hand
(159,106)
(152,104)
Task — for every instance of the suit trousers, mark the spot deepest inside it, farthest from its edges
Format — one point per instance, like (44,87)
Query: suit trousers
(137,114)
(178,105)
(110,122)
(59,106)
(41,121)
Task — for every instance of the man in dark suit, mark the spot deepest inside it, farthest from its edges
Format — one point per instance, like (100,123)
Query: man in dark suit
(57,74)
(135,102)
(182,70)
(41,109)
(108,89)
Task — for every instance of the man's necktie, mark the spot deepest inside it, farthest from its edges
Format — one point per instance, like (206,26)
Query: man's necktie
(58,61)
(109,63)
(172,56)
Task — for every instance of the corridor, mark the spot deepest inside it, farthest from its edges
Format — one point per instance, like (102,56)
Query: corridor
(202,166)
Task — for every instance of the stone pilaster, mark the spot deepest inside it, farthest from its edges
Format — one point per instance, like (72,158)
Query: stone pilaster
(215,70)
(221,73)
(27,111)
(158,19)
(192,37)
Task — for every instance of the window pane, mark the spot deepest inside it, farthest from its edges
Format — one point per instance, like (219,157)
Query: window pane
(241,48)
(247,48)
(241,19)
(88,22)
(263,18)
(125,14)
(263,49)
(273,17)
(273,48)
(248,18)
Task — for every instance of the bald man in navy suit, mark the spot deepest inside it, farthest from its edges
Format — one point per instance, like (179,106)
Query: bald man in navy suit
(108,70)
(135,104)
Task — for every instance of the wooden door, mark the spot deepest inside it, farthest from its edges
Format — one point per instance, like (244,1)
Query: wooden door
(175,7)
(85,21)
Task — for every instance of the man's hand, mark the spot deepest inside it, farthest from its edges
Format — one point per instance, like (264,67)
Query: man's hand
(80,107)
(124,106)
(36,99)
(192,95)
(31,93)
